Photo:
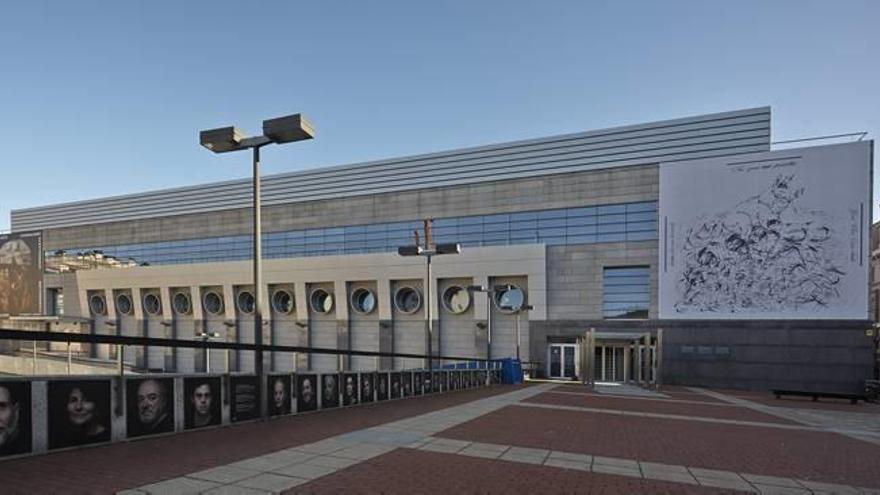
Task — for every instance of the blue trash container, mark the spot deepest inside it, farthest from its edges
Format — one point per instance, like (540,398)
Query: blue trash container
(511,371)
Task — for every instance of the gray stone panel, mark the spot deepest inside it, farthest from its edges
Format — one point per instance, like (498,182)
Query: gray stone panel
(323,331)
(755,355)
(409,329)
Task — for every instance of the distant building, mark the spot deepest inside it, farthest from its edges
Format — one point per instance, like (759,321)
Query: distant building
(570,224)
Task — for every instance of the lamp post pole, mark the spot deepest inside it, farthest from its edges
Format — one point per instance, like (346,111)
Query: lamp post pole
(428,315)
(258,269)
(281,130)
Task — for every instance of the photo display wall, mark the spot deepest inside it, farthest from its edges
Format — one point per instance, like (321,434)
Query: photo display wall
(80,412)
(772,235)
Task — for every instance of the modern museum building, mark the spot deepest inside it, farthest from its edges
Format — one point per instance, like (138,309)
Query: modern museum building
(688,244)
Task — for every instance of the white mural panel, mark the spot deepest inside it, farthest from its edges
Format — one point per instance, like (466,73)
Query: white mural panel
(779,234)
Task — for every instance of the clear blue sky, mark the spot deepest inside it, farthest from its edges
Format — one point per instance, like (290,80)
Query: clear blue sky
(106,98)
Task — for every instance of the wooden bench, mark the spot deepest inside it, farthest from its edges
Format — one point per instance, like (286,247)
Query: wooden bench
(852,398)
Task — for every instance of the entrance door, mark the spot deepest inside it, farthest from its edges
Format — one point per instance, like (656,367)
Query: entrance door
(562,361)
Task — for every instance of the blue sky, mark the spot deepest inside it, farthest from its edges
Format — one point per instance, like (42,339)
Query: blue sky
(107,98)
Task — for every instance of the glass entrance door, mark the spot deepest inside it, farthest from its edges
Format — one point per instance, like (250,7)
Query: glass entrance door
(562,361)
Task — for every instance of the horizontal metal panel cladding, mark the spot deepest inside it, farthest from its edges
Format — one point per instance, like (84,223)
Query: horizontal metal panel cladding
(704,136)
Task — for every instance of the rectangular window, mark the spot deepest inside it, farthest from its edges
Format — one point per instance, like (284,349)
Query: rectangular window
(626,292)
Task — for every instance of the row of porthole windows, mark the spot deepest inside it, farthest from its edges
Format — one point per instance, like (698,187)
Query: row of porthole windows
(407,299)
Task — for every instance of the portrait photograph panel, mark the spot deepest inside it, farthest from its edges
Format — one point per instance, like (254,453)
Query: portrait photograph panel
(329,390)
(202,402)
(395,386)
(306,393)
(381,386)
(368,382)
(79,412)
(149,406)
(278,387)
(349,389)
(406,384)
(417,383)
(15,418)
(435,382)
(245,402)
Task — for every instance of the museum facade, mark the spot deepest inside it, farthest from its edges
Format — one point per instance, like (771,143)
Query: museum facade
(575,229)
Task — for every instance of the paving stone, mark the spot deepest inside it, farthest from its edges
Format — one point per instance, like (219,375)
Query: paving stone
(567,464)
(656,467)
(181,485)
(779,490)
(451,442)
(669,476)
(442,448)
(618,470)
(272,482)
(306,471)
(526,455)
(272,462)
(331,462)
(363,451)
(224,474)
(615,462)
(570,456)
(729,484)
(830,487)
(234,490)
(716,474)
(485,454)
(771,481)
(130,492)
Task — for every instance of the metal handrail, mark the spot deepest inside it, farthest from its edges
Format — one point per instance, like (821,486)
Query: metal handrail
(49,336)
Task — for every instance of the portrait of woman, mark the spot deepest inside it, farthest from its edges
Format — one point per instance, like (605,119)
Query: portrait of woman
(79,413)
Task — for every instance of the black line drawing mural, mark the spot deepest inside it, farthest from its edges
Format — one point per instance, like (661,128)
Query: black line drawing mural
(765,254)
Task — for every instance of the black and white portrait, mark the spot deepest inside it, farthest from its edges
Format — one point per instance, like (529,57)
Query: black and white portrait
(306,393)
(329,391)
(15,418)
(395,386)
(406,384)
(349,389)
(417,383)
(201,404)
(149,406)
(382,386)
(367,384)
(279,394)
(435,382)
(79,412)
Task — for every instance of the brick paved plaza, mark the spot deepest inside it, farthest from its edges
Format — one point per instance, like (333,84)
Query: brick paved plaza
(539,438)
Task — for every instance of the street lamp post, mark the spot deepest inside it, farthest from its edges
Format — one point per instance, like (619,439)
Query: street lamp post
(280,130)
(428,251)
(489,295)
(524,307)
(206,337)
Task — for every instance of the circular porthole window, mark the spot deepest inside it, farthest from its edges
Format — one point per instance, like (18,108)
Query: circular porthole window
(321,301)
(509,299)
(408,299)
(181,303)
(282,301)
(456,299)
(123,304)
(363,300)
(97,304)
(246,302)
(152,304)
(213,303)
